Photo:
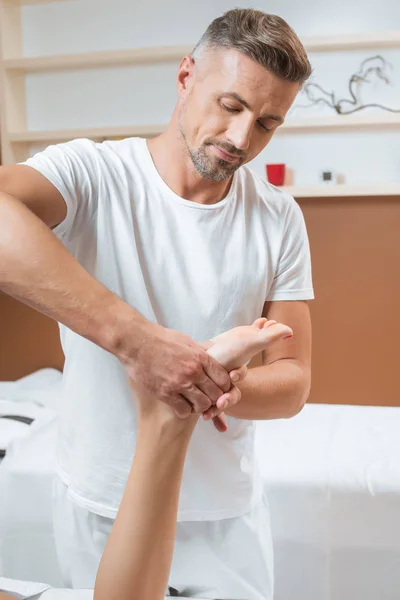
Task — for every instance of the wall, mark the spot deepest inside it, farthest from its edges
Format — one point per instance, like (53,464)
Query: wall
(28,340)
(146,94)
(356,327)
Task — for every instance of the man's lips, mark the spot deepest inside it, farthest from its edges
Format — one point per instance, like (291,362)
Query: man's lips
(226,156)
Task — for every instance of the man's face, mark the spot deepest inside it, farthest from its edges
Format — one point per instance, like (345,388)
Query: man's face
(229,108)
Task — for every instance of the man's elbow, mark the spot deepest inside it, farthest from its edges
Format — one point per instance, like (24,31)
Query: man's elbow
(300,397)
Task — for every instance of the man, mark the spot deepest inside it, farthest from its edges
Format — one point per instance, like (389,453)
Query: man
(173,241)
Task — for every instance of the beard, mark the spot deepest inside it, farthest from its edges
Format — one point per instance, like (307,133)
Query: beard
(212,167)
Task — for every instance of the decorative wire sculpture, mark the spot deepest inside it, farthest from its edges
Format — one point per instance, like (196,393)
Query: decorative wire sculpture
(357,79)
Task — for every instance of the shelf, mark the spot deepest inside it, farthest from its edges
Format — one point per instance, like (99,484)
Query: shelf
(26,2)
(114,58)
(343,190)
(356,41)
(90,60)
(376,121)
(95,133)
(331,122)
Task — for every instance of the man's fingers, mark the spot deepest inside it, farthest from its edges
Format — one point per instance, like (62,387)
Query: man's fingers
(198,399)
(181,406)
(224,403)
(211,391)
(220,423)
(216,373)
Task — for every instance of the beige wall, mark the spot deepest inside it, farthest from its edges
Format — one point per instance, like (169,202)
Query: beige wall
(355,246)
(28,340)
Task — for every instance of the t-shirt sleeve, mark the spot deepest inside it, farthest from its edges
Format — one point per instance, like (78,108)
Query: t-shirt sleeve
(293,277)
(72,168)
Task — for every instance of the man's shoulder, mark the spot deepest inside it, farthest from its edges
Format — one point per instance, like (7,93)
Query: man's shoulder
(85,147)
(264,193)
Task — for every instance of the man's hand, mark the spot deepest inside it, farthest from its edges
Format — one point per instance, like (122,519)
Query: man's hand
(173,368)
(218,417)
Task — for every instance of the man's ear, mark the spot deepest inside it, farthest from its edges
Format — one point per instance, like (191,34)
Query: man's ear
(185,74)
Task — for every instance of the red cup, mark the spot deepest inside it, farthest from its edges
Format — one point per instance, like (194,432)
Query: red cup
(276,174)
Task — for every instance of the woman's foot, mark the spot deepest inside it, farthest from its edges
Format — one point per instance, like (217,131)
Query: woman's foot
(232,349)
(237,346)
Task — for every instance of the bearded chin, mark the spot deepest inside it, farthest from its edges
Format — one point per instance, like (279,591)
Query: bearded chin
(210,168)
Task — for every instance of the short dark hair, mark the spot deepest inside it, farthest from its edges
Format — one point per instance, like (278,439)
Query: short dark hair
(265,38)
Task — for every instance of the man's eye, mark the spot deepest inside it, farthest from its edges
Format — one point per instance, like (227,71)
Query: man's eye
(263,126)
(229,108)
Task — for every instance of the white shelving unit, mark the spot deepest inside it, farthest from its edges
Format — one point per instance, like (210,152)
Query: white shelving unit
(355,41)
(16,139)
(293,125)
(341,122)
(23,2)
(343,190)
(115,58)
(95,133)
(99,60)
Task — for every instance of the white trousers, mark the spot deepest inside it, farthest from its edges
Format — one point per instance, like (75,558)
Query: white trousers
(227,559)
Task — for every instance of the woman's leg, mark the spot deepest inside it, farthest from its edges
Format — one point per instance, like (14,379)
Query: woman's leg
(137,559)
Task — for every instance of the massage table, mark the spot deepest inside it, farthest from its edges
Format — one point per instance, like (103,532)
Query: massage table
(332,478)
(27,548)
(30,590)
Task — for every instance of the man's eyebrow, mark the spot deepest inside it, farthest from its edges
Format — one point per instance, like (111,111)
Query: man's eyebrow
(236,96)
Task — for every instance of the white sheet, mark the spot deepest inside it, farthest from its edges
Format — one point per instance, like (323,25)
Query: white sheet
(332,475)
(42,387)
(27,548)
(26,397)
(24,589)
(32,386)
(29,590)
(26,474)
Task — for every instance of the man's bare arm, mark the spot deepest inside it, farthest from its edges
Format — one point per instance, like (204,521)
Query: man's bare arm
(38,270)
(281,386)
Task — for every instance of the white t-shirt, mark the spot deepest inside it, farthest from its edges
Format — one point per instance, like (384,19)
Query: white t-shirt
(199,269)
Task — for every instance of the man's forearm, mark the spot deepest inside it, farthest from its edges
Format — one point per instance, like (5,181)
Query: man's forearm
(36,269)
(274,391)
